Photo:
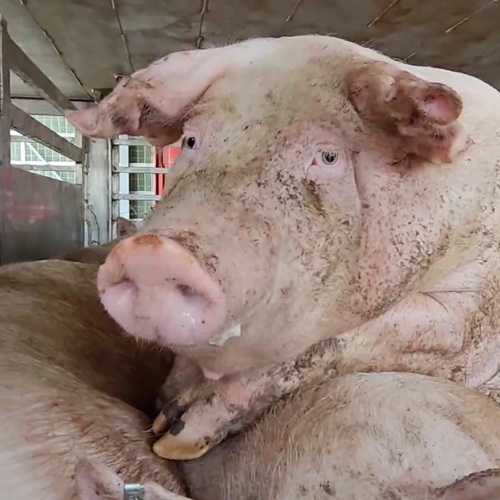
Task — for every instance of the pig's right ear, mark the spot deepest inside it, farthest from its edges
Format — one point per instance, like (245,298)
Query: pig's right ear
(483,485)
(153,102)
(420,115)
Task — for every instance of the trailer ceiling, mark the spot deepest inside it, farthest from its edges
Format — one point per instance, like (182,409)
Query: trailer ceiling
(82,44)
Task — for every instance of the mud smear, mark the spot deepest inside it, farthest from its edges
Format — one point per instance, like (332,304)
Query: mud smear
(312,199)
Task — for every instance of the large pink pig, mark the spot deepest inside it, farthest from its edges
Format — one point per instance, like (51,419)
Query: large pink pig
(331,210)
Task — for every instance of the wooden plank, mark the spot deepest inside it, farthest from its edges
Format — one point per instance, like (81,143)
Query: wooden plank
(33,76)
(28,126)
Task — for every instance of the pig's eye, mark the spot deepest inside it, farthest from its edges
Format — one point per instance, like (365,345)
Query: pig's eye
(189,142)
(329,158)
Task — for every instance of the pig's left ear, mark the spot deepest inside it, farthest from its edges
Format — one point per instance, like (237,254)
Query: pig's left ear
(422,115)
(483,485)
(94,481)
(153,101)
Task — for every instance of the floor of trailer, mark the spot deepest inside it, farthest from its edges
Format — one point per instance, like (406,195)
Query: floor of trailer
(82,44)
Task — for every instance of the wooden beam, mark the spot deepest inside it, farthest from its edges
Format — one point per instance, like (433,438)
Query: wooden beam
(33,76)
(28,126)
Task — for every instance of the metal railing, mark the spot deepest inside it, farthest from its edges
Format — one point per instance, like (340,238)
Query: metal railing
(120,172)
(14,59)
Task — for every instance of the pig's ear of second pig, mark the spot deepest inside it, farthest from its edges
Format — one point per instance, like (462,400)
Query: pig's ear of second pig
(483,485)
(421,114)
(125,227)
(94,481)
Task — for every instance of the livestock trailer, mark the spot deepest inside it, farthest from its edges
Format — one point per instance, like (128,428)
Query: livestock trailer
(65,54)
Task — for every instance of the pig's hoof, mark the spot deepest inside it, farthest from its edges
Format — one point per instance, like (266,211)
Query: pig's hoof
(180,447)
(168,417)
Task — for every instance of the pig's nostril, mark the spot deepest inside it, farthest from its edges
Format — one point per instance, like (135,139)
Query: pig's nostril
(187,291)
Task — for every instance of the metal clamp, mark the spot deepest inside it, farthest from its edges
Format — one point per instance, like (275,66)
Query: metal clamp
(133,492)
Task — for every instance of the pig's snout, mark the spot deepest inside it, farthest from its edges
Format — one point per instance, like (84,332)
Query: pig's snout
(157,290)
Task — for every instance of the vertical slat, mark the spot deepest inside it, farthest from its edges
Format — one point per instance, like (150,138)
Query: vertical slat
(5,121)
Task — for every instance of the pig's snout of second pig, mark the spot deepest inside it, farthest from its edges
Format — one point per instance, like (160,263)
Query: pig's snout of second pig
(157,290)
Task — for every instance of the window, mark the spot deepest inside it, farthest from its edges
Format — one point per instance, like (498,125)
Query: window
(139,209)
(66,176)
(141,182)
(15,151)
(26,152)
(39,153)
(142,155)
(58,124)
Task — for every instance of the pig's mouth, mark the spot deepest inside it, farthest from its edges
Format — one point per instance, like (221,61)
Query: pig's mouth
(158,291)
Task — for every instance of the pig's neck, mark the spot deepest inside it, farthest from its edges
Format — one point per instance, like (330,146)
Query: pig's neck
(447,325)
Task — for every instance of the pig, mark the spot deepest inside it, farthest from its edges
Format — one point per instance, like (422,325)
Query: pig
(372,436)
(71,385)
(331,211)
(96,254)
(76,392)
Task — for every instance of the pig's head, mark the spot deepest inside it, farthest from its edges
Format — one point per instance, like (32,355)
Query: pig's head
(260,230)
(125,227)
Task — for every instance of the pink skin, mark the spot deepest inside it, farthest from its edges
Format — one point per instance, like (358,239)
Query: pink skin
(137,292)
(331,217)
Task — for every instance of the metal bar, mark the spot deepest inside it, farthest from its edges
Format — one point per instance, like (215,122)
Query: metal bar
(137,197)
(39,106)
(26,125)
(33,76)
(131,141)
(5,119)
(22,138)
(5,103)
(140,170)
(139,141)
(49,168)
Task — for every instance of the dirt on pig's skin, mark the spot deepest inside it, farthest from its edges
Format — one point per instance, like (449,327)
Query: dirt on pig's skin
(376,436)
(364,187)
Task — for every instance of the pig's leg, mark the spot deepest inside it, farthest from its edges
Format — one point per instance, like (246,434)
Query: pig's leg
(208,413)
(185,373)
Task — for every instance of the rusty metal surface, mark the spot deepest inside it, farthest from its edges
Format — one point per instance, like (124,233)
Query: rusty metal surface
(39,217)
(87,42)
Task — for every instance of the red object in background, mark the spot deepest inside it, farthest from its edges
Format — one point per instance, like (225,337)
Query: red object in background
(164,157)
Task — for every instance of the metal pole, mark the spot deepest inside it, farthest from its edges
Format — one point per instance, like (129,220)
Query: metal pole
(5,122)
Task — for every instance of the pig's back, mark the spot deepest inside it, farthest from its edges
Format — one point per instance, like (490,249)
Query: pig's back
(66,376)
(354,437)
(50,311)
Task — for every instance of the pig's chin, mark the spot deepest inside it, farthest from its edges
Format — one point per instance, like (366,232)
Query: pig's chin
(176,317)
